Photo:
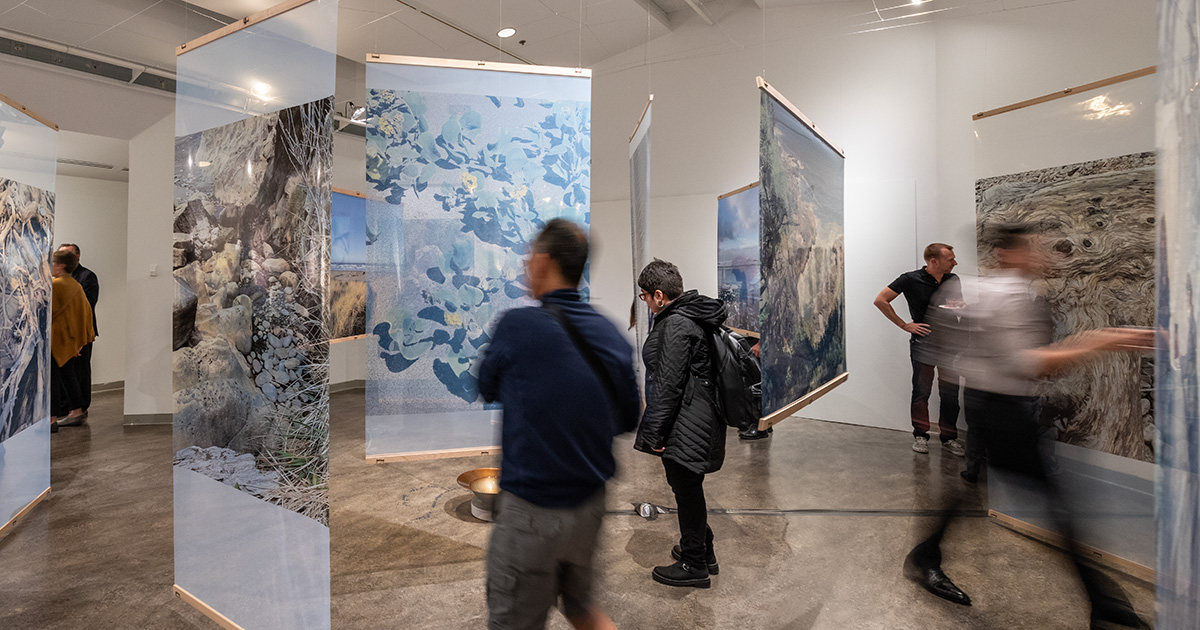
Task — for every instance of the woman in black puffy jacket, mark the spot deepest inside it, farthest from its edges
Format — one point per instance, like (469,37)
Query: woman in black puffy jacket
(681,422)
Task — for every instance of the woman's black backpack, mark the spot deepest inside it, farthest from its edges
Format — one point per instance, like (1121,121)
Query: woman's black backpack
(737,376)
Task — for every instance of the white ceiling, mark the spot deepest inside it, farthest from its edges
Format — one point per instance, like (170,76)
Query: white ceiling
(556,32)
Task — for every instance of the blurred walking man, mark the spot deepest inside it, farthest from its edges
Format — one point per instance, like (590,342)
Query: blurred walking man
(565,376)
(918,288)
(1007,350)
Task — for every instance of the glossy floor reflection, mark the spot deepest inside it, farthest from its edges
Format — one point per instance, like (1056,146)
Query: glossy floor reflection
(407,554)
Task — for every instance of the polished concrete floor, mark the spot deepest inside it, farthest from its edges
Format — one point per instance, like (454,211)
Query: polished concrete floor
(811,526)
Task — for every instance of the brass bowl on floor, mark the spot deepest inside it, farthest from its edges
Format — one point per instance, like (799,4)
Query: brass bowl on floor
(484,484)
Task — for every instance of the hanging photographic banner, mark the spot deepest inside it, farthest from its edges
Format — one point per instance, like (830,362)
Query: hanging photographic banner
(1079,167)
(348,266)
(639,217)
(253,147)
(28,148)
(465,162)
(803,263)
(1177,361)
(738,265)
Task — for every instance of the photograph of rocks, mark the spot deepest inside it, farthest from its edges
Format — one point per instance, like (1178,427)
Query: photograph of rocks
(1098,220)
(251,268)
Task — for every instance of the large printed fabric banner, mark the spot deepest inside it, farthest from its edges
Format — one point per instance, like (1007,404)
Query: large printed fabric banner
(348,263)
(802,249)
(639,214)
(464,166)
(253,154)
(738,264)
(1098,217)
(27,152)
(1178,358)
(251,351)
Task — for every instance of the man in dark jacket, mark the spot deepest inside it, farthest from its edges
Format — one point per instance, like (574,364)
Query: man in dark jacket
(91,288)
(565,376)
(681,422)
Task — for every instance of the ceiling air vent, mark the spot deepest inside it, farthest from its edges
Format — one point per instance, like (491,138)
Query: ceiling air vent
(85,163)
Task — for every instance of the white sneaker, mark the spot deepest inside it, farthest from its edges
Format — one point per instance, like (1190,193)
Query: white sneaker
(955,447)
(921,445)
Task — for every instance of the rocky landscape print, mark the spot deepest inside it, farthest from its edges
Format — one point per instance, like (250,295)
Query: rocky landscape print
(26,226)
(737,257)
(1098,220)
(252,226)
(802,249)
(460,186)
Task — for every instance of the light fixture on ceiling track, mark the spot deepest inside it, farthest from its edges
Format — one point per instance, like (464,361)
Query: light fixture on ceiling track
(506,32)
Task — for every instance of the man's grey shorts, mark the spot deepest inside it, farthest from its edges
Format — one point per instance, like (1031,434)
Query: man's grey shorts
(537,554)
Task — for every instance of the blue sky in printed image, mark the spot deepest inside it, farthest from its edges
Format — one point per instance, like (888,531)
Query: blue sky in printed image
(348,245)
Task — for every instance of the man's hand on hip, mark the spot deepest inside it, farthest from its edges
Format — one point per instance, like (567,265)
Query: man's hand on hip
(916,329)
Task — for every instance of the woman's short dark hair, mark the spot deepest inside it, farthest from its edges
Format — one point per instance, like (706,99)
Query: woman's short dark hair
(567,245)
(66,258)
(661,275)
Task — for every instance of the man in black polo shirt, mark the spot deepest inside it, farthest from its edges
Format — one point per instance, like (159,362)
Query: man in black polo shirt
(918,288)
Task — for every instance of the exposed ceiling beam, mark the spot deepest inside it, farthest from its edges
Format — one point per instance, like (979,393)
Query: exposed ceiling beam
(700,11)
(656,12)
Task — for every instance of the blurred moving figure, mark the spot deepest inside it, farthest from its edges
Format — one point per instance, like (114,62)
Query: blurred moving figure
(70,330)
(925,289)
(565,376)
(1003,345)
(681,423)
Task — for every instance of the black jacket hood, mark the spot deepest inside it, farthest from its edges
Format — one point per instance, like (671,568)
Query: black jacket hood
(705,311)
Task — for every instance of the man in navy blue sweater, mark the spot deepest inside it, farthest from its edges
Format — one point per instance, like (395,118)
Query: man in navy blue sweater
(565,376)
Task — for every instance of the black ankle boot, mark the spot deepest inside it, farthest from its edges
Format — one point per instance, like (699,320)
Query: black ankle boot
(682,574)
(713,567)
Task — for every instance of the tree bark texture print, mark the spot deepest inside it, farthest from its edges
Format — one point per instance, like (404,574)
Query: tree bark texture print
(802,252)
(458,186)
(252,215)
(26,227)
(1098,222)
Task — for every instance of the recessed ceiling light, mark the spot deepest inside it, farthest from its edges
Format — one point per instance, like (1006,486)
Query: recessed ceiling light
(261,89)
(917,2)
(507,32)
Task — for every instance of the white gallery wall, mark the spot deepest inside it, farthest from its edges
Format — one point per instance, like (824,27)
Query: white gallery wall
(91,214)
(899,101)
(148,243)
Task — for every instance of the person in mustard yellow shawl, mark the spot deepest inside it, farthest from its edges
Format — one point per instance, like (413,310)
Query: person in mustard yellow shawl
(70,330)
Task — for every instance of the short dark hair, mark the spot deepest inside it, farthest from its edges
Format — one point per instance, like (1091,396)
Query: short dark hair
(74,247)
(567,245)
(66,258)
(1011,236)
(661,275)
(934,250)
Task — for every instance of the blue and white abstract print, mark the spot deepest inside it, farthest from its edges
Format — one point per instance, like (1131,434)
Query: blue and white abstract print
(459,185)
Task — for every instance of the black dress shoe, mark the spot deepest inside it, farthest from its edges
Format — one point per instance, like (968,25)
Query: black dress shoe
(754,434)
(682,574)
(968,476)
(936,582)
(713,567)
